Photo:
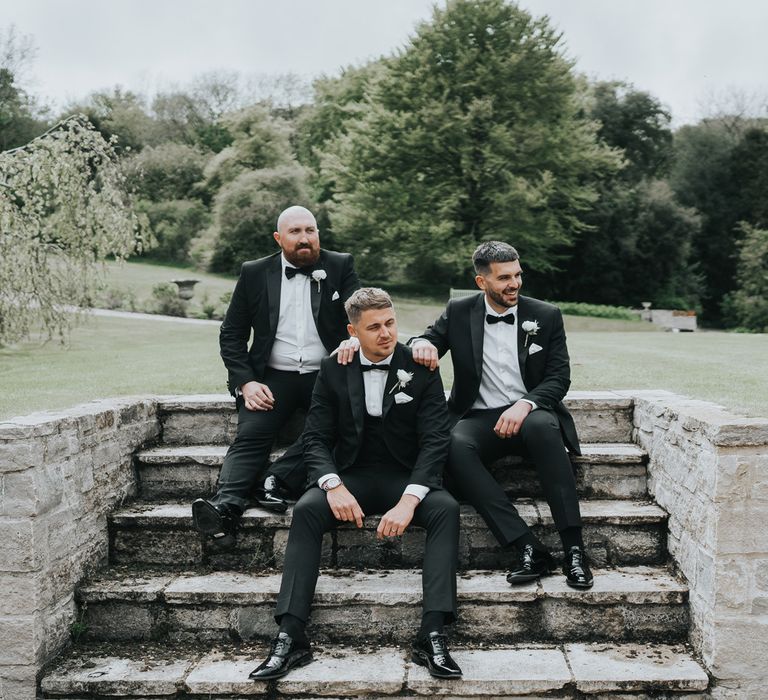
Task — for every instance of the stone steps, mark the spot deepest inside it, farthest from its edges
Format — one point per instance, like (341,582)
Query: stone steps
(572,670)
(600,416)
(616,533)
(628,604)
(604,470)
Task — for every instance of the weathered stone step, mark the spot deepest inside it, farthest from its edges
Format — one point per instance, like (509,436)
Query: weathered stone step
(563,671)
(616,533)
(604,470)
(600,416)
(628,604)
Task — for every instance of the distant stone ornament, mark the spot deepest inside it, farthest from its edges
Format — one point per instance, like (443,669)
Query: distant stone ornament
(186,288)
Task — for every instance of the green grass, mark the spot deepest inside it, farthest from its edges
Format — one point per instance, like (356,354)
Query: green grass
(118,357)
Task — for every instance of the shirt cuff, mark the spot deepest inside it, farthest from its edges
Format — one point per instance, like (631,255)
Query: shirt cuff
(325,478)
(416,490)
(533,405)
(416,341)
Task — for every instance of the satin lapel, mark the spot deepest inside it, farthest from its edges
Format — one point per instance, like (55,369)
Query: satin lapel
(389,391)
(356,391)
(477,331)
(522,347)
(274,284)
(316,291)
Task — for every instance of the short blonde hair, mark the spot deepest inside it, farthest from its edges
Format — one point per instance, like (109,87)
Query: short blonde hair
(364,299)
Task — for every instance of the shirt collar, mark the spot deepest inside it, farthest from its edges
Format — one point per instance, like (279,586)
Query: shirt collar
(493,312)
(285,263)
(365,361)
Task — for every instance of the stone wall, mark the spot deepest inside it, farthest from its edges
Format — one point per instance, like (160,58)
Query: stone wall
(60,474)
(709,469)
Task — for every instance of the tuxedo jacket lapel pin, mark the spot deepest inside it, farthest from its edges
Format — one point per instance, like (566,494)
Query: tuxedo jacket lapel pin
(534,348)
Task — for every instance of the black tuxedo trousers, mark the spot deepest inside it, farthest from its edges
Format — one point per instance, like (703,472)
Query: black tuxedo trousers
(246,461)
(474,444)
(377,489)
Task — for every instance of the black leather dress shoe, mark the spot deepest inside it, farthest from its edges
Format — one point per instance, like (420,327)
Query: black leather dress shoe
(219,521)
(285,653)
(576,570)
(533,564)
(431,650)
(273,497)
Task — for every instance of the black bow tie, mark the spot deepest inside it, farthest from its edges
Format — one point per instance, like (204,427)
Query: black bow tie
(368,368)
(509,318)
(291,272)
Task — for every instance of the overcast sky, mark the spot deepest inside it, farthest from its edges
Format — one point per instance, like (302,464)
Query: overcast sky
(682,51)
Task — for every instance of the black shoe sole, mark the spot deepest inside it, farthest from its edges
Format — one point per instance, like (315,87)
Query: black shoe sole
(206,518)
(527,578)
(422,659)
(275,507)
(580,586)
(302,659)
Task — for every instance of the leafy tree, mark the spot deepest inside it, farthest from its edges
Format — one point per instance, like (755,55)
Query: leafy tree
(173,225)
(721,169)
(167,171)
(747,306)
(471,132)
(246,211)
(63,209)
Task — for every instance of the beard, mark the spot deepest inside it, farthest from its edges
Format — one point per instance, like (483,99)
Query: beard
(500,300)
(303,256)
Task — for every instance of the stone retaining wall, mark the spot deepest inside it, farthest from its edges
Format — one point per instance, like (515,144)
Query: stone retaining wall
(709,470)
(60,475)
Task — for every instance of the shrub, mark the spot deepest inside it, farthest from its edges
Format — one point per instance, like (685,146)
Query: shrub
(573,308)
(167,301)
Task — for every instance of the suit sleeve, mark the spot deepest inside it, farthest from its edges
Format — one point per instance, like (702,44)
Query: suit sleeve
(437,333)
(557,373)
(234,334)
(434,431)
(320,429)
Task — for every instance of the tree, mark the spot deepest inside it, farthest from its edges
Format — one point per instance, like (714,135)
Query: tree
(470,133)
(63,209)
(747,306)
(167,171)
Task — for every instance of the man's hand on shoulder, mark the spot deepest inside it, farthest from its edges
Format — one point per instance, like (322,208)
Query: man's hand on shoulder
(511,420)
(396,520)
(345,353)
(345,506)
(257,396)
(424,353)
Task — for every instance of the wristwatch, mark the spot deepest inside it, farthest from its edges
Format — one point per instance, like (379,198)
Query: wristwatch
(331,483)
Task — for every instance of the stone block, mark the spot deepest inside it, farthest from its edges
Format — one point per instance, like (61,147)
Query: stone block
(739,648)
(499,673)
(602,668)
(222,673)
(18,682)
(118,620)
(23,544)
(31,492)
(118,676)
(20,630)
(17,456)
(738,529)
(733,583)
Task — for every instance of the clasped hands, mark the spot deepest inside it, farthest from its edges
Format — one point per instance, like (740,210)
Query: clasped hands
(392,524)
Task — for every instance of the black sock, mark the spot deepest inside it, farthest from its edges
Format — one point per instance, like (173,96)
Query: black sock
(432,622)
(293,627)
(531,539)
(571,537)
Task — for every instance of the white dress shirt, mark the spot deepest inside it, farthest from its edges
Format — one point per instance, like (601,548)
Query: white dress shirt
(297,346)
(501,383)
(374,383)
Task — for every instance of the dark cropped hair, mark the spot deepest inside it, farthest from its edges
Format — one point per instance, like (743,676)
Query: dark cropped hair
(366,298)
(490,252)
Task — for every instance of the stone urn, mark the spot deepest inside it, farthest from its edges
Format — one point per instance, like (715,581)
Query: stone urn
(186,288)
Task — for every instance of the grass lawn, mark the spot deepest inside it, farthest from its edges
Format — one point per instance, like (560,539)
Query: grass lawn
(114,357)
(118,357)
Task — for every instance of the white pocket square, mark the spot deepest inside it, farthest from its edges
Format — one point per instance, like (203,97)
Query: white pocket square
(335,296)
(534,348)
(402,397)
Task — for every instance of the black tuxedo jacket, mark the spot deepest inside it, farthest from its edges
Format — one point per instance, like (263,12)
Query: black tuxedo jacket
(256,305)
(546,373)
(417,433)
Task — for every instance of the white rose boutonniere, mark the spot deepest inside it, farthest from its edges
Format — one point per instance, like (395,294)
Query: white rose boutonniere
(531,328)
(319,276)
(403,379)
